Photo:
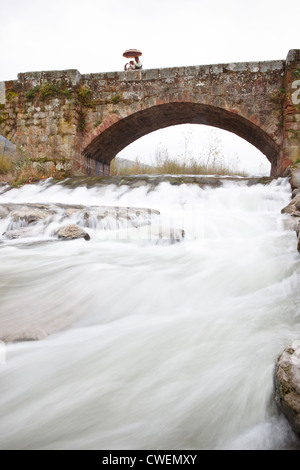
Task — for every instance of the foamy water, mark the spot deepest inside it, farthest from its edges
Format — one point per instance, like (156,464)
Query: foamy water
(153,344)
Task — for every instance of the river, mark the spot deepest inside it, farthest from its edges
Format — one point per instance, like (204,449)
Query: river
(151,340)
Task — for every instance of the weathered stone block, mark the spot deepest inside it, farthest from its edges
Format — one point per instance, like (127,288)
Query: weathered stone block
(151,74)
(216,69)
(236,67)
(168,73)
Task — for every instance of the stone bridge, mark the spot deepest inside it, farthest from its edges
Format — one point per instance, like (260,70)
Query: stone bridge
(79,123)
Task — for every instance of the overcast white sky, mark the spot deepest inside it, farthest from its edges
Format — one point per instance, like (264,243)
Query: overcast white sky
(91,35)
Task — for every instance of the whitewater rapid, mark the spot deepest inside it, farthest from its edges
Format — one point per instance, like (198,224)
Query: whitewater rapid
(151,344)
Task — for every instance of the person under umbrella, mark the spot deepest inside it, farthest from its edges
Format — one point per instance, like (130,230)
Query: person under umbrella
(129,66)
(133,53)
(138,64)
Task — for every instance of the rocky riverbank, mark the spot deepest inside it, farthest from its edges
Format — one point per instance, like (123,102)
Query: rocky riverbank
(287,371)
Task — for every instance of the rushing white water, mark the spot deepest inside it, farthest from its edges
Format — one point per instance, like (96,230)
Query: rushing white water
(159,345)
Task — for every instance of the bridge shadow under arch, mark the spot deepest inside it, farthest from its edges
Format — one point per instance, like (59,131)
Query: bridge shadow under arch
(124,131)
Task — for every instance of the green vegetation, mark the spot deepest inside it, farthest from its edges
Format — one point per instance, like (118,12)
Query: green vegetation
(30,95)
(296,162)
(5,165)
(278,95)
(84,100)
(2,118)
(11,95)
(294,132)
(49,89)
(81,123)
(116,99)
(98,123)
(22,171)
(173,166)
(210,161)
(297,73)
(84,95)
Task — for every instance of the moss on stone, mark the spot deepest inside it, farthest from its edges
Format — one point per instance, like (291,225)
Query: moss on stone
(81,124)
(98,123)
(49,89)
(30,95)
(116,99)
(84,94)
(11,96)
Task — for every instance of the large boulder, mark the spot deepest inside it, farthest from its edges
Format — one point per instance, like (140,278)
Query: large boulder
(293,172)
(287,383)
(295,177)
(293,208)
(71,232)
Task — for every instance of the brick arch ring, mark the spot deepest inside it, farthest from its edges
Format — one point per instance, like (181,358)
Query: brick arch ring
(117,132)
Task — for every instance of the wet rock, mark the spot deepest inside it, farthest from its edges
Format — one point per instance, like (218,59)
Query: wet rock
(298,235)
(293,173)
(40,216)
(152,181)
(30,215)
(4,187)
(293,208)
(295,177)
(287,384)
(22,232)
(160,235)
(295,192)
(72,232)
(3,212)
(291,224)
(23,334)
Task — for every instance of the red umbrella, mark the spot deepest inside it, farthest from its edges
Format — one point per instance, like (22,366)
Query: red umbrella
(130,53)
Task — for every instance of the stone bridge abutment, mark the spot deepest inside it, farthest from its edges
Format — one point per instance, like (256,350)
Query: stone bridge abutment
(79,123)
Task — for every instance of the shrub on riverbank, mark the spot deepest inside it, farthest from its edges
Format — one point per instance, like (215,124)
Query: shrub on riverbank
(174,166)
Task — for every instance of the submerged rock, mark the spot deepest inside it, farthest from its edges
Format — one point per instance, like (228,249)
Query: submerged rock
(30,333)
(287,383)
(159,235)
(30,215)
(72,232)
(4,211)
(22,232)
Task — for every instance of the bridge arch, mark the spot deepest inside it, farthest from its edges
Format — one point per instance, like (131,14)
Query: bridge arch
(113,137)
